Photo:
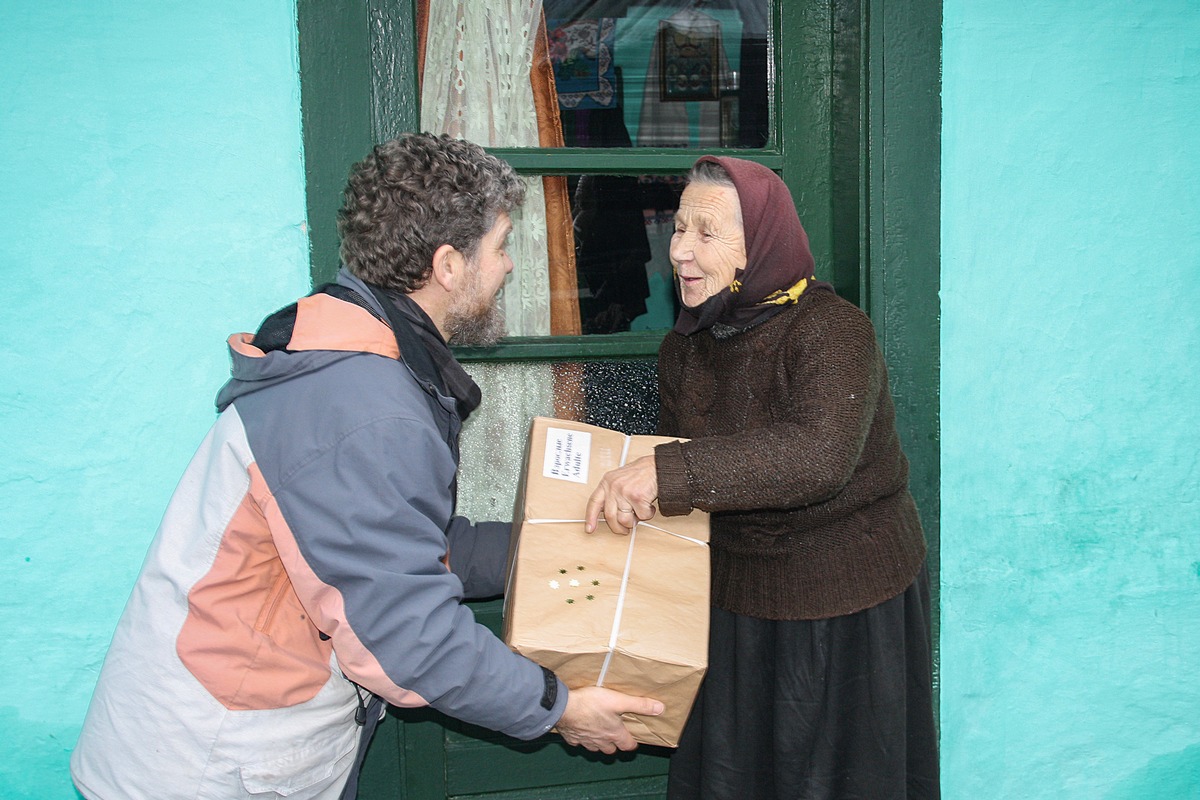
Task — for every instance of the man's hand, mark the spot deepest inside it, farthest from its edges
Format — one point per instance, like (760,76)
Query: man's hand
(593,718)
(625,495)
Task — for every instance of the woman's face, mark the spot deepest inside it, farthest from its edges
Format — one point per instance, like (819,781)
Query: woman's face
(709,243)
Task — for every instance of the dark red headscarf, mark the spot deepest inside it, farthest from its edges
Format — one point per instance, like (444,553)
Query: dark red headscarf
(777,254)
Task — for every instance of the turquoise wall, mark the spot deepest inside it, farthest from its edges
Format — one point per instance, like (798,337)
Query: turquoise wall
(151,202)
(1070,386)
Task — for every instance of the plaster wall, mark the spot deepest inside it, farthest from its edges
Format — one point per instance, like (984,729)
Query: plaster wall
(1070,433)
(151,203)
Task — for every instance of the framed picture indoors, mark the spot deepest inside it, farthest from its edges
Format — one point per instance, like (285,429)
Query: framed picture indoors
(688,65)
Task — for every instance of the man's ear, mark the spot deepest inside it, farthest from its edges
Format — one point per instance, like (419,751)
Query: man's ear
(448,267)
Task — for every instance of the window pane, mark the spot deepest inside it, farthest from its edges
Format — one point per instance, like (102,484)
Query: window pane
(621,395)
(591,255)
(623,226)
(660,74)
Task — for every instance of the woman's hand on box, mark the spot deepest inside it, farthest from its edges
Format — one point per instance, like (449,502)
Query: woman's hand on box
(624,497)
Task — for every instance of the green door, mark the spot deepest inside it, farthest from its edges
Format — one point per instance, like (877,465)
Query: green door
(840,97)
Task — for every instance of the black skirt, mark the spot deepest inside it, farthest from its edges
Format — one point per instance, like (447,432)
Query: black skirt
(830,709)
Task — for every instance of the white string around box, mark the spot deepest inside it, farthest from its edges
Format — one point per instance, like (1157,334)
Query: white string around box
(616,626)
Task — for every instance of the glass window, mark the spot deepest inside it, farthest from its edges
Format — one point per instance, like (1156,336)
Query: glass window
(616,394)
(591,255)
(659,74)
(622,229)
(601,105)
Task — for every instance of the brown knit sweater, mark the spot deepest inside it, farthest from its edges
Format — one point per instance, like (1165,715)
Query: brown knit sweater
(794,452)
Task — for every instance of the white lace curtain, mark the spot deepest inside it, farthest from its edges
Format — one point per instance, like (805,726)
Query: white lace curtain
(476,86)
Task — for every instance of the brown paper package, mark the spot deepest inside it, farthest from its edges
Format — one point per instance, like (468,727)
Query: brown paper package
(626,612)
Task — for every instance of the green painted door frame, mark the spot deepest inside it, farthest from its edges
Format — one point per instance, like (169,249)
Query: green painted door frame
(856,137)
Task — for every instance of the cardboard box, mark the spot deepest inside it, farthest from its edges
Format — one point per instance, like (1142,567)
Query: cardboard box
(626,612)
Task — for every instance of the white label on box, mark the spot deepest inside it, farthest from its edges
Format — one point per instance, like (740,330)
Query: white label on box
(567,455)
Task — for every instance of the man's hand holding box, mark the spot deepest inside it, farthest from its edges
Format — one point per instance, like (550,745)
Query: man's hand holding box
(626,612)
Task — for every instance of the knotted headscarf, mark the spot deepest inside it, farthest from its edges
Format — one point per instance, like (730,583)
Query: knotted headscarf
(779,264)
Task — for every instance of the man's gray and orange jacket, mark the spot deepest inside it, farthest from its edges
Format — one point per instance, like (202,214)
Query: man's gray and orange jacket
(312,539)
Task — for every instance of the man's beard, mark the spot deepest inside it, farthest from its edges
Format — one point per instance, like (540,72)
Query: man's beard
(474,320)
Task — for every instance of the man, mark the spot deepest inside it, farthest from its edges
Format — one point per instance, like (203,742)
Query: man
(309,566)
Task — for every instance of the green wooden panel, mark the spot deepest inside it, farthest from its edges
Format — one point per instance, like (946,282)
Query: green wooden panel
(635,789)
(477,766)
(803,115)
(387,762)
(358,87)
(424,753)
(395,106)
(336,111)
(847,153)
(903,188)
(620,161)
(520,348)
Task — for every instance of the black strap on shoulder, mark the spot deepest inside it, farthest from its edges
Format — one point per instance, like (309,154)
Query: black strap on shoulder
(275,332)
(412,349)
(348,295)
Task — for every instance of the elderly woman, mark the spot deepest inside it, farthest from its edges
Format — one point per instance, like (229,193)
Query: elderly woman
(819,681)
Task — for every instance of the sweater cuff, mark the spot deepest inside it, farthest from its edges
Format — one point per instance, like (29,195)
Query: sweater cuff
(674,492)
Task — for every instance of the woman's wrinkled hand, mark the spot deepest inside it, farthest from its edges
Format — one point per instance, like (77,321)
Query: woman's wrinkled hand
(625,497)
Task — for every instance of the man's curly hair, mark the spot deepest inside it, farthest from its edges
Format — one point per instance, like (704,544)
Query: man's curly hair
(413,194)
